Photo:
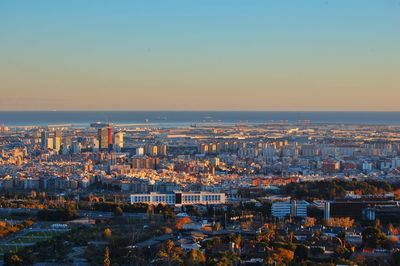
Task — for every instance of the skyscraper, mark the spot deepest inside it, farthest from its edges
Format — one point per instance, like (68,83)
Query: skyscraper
(103,137)
(118,140)
(109,137)
(57,139)
(44,139)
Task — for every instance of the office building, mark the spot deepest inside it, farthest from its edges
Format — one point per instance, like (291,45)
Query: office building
(145,163)
(294,208)
(44,139)
(102,136)
(118,140)
(110,137)
(139,151)
(179,198)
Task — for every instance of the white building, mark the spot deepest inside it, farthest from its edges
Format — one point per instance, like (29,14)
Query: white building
(294,208)
(367,166)
(139,151)
(179,198)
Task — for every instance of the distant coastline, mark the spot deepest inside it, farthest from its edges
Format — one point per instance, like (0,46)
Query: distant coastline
(171,118)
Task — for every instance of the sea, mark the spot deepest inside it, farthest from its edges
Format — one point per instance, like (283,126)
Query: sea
(186,118)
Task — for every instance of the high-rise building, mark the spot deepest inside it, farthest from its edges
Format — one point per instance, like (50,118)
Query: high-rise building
(145,163)
(95,145)
(57,140)
(102,136)
(330,167)
(67,141)
(214,161)
(76,147)
(50,143)
(327,210)
(44,139)
(109,137)
(151,149)
(56,143)
(118,140)
(139,151)
(162,150)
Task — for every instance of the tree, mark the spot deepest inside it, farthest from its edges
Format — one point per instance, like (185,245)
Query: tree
(13,260)
(217,227)
(170,253)
(169,246)
(224,259)
(290,236)
(301,252)
(396,258)
(150,210)
(70,212)
(359,259)
(195,257)
(107,233)
(118,211)
(373,237)
(378,223)
(64,214)
(340,222)
(43,195)
(343,252)
(282,256)
(237,240)
(393,241)
(107,261)
(309,222)
(168,230)
(180,222)
(393,230)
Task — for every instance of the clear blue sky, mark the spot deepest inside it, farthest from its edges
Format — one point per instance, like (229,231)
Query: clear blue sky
(200,55)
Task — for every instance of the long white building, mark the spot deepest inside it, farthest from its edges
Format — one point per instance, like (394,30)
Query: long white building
(294,208)
(179,198)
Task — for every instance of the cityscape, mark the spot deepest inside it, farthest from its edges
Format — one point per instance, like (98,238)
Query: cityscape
(200,133)
(273,193)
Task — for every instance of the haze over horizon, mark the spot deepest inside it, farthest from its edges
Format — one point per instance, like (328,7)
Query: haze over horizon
(284,55)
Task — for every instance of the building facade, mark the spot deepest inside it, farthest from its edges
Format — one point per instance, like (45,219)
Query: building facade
(294,208)
(179,198)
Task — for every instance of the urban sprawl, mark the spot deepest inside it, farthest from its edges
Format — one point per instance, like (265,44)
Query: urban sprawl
(265,194)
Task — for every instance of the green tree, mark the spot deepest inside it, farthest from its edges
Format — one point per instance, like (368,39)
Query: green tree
(373,237)
(343,252)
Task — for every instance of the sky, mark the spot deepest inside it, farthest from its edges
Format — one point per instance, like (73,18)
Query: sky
(282,55)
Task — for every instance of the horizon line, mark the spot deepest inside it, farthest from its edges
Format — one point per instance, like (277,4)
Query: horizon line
(228,110)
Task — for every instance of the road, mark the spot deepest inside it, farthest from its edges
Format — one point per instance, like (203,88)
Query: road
(81,213)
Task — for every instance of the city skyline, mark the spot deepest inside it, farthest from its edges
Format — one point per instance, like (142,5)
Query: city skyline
(200,132)
(200,55)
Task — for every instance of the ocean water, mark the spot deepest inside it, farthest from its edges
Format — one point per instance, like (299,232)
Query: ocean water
(176,118)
